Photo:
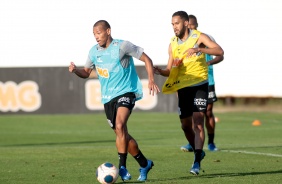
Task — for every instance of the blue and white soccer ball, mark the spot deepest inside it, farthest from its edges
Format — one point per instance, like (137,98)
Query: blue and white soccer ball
(107,173)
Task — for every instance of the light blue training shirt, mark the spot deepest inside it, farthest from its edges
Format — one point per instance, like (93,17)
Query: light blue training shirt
(115,68)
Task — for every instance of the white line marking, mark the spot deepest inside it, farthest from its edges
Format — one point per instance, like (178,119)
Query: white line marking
(253,153)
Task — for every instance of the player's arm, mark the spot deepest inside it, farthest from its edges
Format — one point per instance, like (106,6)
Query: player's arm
(216,59)
(211,47)
(130,49)
(207,46)
(165,72)
(153,88)
(80,72)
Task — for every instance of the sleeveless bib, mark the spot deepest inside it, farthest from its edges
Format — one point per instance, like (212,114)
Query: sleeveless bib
(193,69)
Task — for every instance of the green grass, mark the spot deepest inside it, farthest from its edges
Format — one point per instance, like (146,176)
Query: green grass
(68,148)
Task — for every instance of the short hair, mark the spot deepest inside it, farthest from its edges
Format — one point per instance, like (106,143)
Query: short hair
(182,15)
(193,17)
(103,23)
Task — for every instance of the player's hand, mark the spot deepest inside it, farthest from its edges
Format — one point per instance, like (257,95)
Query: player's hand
(177,62)
(153,88)
(191,51)
(72,67)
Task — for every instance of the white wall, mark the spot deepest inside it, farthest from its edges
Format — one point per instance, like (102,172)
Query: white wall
(55,32)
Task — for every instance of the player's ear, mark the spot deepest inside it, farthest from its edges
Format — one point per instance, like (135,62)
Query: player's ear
(186,23)
(109,31)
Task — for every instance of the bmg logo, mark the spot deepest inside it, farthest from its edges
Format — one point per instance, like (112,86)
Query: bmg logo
(24,96)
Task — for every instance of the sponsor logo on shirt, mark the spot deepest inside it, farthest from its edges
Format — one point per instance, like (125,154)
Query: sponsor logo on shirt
(99,60)
(102,72)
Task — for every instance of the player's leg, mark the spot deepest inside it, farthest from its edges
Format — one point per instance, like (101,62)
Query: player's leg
(199,109)
(187,147)
(198,118)
(187,127)
(186,105)
(134,150)
(145,164)
(210,125)
(185,111)
(210,120)
(125,105)
(118,111)
(122,139)
(122,136)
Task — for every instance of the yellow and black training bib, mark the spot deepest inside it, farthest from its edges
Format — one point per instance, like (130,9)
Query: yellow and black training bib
(191,71)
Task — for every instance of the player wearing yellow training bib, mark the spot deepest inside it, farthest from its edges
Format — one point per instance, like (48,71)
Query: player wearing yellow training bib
(187,74)
(186,71)
(209,116)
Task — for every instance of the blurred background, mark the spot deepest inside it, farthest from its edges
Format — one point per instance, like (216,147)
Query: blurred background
(38,40)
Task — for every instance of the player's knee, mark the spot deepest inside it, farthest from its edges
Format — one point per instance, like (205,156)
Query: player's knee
(120,127)
(186,124)
(198,127)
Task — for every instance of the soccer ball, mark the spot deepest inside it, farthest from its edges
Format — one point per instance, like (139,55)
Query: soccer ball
(107,173)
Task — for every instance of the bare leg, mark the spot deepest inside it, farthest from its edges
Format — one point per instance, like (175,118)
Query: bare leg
(210,121)
(122,136)
(187,127)
(198,119)
(133,148)
(210,125)
(124,141)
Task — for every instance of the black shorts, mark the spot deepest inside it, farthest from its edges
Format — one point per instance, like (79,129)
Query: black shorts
(192,99)
(125,100)
(212,96)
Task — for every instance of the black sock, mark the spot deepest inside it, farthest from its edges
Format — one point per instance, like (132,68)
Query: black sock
(198,155)
(210,138)
(140,158)
(122,159)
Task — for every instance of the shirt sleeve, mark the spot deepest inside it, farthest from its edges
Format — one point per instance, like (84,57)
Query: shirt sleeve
(127,48)
(89,63)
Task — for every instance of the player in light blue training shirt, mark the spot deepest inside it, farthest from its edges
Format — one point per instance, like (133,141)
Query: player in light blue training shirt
(120,88)
(115,68)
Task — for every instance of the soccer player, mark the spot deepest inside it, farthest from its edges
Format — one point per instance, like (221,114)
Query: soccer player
(209,120)
(187,73)
(112,59)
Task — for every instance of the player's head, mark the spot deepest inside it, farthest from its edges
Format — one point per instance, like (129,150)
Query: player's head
(193,23)
(180,22)
(102,33)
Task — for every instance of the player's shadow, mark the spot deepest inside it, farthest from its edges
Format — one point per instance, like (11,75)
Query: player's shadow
(58,143)
(240,148)
(215,176)
(240,174)
(63,143)
(126,182)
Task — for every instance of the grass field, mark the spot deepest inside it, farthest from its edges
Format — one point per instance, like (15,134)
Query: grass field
(68,148)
